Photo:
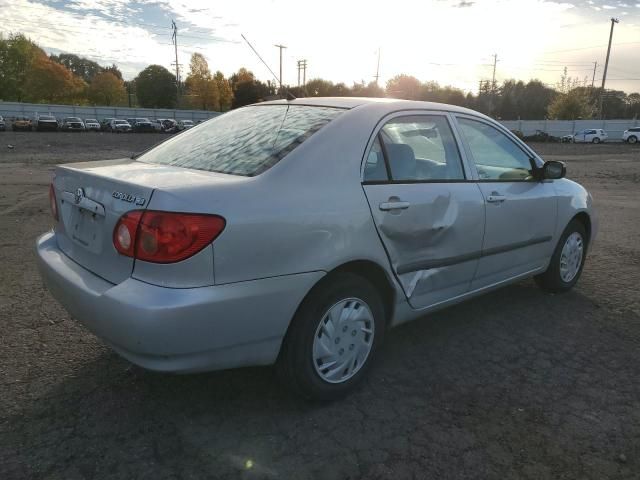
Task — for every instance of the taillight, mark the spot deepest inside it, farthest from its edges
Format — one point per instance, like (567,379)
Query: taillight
(52,203)
(165,237)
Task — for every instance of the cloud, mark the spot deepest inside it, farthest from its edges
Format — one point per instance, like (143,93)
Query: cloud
(464,4)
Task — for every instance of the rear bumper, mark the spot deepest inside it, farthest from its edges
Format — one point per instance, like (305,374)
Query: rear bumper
(177,330)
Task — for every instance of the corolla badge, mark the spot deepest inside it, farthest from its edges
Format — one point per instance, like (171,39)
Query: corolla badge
(79,195)
(127,197)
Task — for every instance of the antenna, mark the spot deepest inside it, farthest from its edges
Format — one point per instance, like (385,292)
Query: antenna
(258,55)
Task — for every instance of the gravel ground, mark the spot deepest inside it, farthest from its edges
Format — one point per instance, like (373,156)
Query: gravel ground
(516,384)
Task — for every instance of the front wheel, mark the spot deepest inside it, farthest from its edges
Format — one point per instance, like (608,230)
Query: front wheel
(332,338)
(567,261)
(596,140)
(632,139)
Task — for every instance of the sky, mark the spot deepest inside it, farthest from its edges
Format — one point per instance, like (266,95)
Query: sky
(449,41)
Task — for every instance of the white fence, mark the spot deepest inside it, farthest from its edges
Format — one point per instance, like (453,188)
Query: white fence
(9,110)
(559,128)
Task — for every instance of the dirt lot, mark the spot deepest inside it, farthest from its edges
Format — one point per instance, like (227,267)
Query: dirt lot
(517,384)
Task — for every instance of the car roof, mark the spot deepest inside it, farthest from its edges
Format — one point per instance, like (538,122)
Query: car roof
(391,104)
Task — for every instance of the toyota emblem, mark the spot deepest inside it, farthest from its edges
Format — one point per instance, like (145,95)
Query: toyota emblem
(78,196)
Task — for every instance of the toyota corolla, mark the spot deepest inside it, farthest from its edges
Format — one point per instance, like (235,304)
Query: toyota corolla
(298,232)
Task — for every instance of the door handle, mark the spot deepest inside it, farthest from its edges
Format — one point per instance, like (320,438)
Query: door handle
(495,198)
(395,205)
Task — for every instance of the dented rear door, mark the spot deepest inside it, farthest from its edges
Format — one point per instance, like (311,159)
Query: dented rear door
(429,217)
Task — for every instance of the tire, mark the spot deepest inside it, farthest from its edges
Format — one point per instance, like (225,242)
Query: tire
(632,139)
(596,140)
(298,363)
(552,280)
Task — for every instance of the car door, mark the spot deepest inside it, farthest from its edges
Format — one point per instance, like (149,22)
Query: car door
(520,211)
(428,213)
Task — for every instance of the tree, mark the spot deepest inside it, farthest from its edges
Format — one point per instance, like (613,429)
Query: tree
(574,105)
(80,66)
(633,105)
(404,86)
(202,89)
(247,89)
(225,93)
(115,70)
(319,87)
(106,89)
(156,87)
(372,89)
(52,82)
(17,54)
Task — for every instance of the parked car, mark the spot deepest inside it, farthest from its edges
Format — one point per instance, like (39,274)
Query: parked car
(567,139)
(185,124)
(119,126)
(157,124)
(22,123)
(72,124)
(3,126)
(141,125)
(591,135)
(540,136)
(91,124)
(631,135)
(192,263)
(105,124)
(169,125)
(46,123)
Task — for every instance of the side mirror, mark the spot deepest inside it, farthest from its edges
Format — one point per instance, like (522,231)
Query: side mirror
(553,170)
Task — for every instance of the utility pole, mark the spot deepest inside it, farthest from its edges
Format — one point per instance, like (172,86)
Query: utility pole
(377,76)
(304,73)
(606,66)
(493,82)
(281,47)
(593,80)
(493,78)
(302,67)
(174,38)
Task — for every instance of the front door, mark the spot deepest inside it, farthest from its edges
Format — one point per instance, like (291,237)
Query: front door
(428,215)
(520,210)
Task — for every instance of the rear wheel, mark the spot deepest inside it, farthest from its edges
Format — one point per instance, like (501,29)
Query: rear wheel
(333,338)
(596,140)
(567,261)
(632,139)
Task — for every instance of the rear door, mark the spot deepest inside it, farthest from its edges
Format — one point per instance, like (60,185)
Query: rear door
(428,215)
(520,210)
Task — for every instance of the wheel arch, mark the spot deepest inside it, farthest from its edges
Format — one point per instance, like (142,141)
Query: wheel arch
(370,271)
(584,218)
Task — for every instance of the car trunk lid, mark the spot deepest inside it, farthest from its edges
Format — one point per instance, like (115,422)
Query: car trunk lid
(92,196)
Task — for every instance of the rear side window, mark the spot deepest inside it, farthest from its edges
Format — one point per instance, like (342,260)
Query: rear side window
(418,148)
(246,141)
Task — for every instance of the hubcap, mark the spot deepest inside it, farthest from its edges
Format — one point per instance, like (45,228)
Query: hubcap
(571,257)
(343,340)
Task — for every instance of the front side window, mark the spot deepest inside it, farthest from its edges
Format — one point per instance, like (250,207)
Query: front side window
(495,155)
(246,141)
(417,148)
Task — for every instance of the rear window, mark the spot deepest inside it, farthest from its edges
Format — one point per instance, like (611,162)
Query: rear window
(246,141)
(45,117)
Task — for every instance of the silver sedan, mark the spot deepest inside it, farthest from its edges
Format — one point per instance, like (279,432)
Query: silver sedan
(297,233)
